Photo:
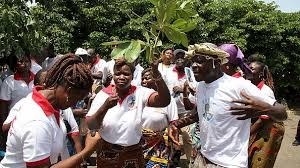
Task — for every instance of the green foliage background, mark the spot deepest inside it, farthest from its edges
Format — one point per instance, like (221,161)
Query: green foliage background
(253,25)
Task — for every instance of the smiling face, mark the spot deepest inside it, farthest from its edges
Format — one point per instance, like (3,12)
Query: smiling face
(122,76)
(147,80)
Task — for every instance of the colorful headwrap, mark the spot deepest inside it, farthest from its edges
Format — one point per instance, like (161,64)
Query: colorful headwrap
(208,49)
(236,57)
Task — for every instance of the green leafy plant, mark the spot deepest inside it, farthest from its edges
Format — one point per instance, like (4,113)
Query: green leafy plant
(173,18)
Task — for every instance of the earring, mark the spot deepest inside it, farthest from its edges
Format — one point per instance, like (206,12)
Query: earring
(214,67)
(68,99)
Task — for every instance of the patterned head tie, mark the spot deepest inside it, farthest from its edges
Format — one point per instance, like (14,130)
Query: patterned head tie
(209,50)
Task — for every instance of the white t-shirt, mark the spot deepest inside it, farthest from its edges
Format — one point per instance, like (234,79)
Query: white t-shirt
(35,137)
(163,69)
(158,119)
(110,66)
(266,90)
(100,66)
(35,67)
(224,139)
(122,124)
(67,115)
(172,80)
(137,75)
(14,89)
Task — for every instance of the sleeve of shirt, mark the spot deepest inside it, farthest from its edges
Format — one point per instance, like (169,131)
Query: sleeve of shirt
(13,112)
(97,103)
(68,115)
(172,111)
(268,91)
(6,90)
(37,143)
(146,93)
(252,90)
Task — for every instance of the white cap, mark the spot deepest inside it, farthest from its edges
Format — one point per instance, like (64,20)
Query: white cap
(81,51)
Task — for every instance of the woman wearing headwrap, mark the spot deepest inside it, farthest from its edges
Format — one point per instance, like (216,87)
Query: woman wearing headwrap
(235,66)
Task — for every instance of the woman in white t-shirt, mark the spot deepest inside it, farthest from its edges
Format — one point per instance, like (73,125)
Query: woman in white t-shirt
(266,134)
(35,138)
(156,145)
(16,86)
(120,107)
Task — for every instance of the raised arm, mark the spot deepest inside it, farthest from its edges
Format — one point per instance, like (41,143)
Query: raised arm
(162,97)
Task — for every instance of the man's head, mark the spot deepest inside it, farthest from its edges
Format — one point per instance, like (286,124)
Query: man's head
(206,61)
(179,59)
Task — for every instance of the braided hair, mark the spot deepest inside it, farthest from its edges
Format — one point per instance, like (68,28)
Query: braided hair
(265,74)
(71,71)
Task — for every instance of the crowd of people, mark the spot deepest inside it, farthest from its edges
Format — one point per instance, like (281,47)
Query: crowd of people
(209,103)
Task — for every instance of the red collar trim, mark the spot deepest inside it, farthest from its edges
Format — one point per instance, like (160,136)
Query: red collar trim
(44,103)
(260,85)
(96,61)
(17,76)
(179,75)
(109,90)
(237,75)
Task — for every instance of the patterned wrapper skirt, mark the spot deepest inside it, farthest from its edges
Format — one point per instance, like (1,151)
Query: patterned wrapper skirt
(157,148)
(265,144)
(116,156)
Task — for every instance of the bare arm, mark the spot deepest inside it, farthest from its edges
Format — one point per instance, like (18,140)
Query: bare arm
(77,143)
(95,121)
(162,97)
(252,107)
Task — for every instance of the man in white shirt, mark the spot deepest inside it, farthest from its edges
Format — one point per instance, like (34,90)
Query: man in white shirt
(225,105)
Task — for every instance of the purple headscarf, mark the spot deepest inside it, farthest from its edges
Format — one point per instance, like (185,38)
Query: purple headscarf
(236,57)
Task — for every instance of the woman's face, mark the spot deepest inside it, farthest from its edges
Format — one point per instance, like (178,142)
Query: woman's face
(68,97)
(256,70)
(167,57)
(122,77)
(147,80)
(23,64)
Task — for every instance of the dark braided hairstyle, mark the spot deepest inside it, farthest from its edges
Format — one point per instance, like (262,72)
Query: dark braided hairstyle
(266,74)
(71,71)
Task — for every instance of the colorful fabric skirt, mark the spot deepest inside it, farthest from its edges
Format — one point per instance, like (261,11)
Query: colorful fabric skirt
(116,156)
(156,148)
(265,144)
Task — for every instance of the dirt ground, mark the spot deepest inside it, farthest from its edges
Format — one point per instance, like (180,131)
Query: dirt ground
(289,156)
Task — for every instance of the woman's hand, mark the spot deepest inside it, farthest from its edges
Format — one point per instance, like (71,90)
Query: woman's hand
(173,134)
(154,67)
(111,101)
(91,141)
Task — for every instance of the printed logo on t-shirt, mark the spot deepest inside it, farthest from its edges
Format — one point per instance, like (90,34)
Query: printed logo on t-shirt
(207,115)
(131,101)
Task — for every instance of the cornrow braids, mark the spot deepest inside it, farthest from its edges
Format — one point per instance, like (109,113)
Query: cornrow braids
(71,71)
